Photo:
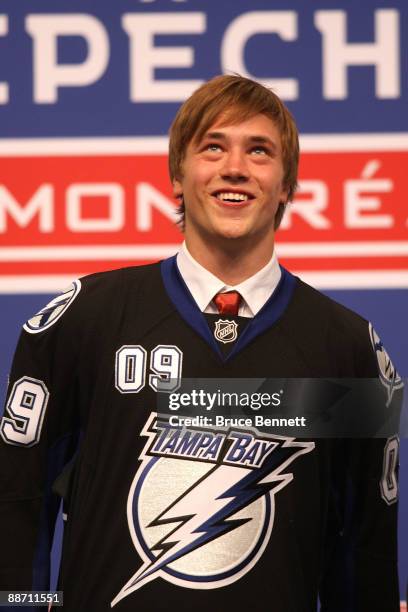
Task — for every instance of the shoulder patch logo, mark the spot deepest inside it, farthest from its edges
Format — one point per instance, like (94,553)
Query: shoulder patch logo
(54,310)
(386,369)
(225,331)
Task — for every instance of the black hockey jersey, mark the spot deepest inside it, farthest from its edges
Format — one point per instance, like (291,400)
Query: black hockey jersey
(199,519)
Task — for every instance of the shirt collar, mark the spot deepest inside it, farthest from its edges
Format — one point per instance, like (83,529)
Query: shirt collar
(203,285)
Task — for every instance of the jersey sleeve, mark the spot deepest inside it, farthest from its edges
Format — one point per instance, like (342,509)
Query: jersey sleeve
(361,571)
(38,435)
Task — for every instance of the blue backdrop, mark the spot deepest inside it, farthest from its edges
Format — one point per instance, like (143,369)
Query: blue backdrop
(122,81)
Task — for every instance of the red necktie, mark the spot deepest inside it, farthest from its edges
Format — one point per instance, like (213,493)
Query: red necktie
(228,303)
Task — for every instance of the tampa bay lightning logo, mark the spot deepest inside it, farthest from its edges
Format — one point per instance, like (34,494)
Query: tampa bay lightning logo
(202,504)
(54,310)
(386,370)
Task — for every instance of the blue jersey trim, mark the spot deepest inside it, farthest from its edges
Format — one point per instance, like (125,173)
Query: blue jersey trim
(56,459)
(184,302)
(186,306)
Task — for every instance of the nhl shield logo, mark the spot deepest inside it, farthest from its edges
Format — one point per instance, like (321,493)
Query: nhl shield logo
(225,331)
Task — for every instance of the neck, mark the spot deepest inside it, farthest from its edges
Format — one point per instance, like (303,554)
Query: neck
(230,264)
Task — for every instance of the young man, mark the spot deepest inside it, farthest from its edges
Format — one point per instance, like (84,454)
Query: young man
(163,517)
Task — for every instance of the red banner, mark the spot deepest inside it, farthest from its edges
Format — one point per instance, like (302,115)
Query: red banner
(83,205)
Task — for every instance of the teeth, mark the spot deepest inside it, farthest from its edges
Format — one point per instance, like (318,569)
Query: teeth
(236,197)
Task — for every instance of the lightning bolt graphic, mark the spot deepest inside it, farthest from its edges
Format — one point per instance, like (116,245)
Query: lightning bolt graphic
(47,311)
(203,513)
(389,377)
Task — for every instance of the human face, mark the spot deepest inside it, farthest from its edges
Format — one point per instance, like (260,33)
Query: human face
(232,183)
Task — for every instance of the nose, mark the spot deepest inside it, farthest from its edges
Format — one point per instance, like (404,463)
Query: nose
(235,166)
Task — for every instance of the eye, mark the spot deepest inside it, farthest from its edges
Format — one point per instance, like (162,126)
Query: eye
(213,147)
(259,150)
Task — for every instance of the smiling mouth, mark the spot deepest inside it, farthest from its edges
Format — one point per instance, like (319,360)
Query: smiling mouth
(231,198)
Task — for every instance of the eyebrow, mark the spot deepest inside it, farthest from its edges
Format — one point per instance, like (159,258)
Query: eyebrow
(251,139)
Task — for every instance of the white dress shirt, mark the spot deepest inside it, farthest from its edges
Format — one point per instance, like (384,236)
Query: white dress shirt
(203,286)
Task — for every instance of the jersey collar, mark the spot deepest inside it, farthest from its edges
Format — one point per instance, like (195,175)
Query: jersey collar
(203,285)
(186,306)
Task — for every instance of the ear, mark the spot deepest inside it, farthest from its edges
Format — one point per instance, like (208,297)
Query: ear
(177,189)
(283,199)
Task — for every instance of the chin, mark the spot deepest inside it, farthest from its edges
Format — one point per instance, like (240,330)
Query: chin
(232,236)
(231,231)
